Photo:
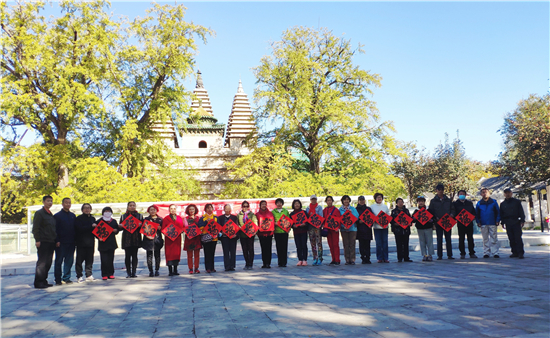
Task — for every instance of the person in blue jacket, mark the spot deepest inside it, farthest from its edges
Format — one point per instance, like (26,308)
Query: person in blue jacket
(488,218)
(64,254)
(348,235)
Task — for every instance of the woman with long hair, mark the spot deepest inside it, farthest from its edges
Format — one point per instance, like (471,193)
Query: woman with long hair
(131,242)
(247,243)
(208,242)
(153,244)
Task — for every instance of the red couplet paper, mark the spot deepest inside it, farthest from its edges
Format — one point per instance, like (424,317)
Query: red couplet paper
(423,216)
(447,222)
(213,228)
(102,231)
(149,228)
(230,229)
(403,220)
(333,222)
(348,219)
(131,224)
(316,220)
(192,230)
(267,224)
(249,228)
(171,231)
(383,219)
(285,223)
(299,218)
(465,217)
(368,218)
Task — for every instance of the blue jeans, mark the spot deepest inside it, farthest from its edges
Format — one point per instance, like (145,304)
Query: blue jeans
(381,238)
(64,255)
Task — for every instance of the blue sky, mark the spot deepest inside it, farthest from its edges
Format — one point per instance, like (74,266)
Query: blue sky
(445,65)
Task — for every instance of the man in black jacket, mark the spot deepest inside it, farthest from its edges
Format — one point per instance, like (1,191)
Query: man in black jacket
(43,230)
(85,243)
(439,206)
(512,218)
(465,230)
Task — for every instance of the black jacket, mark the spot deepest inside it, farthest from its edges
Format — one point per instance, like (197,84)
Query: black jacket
(363,231)
(467,204)
(129,239)
(153,244)
(223,219)
(511,212)
(418,225)
(396,228)
(439,207)
(43,226)
(110,242)
(83,229)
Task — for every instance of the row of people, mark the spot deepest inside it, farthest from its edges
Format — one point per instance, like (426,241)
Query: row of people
(64,231)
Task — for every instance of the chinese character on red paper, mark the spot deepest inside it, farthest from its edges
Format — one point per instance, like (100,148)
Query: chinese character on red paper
(102,231)
(383,219)
(131,224)
(465,217)
(316,220)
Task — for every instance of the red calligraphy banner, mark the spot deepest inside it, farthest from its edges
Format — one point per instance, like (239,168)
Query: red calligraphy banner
(131,224)
(149,229)
(403,220)
(465,217)
(249,228)
(171,231)
(316,220)
(368,218)
(267,224)
(348,219)
(423,216)
(217,204)
(333,222)
(192,230)
(213,228)
(102,231)
(446,222)
(384,219)
(230,229)
(285,223)
(299,218)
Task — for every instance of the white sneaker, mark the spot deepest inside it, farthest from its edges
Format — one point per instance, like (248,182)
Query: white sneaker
(81,279)
(90,279)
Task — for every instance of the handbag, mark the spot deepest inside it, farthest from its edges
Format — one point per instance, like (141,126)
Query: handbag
(324,231)
(205,238)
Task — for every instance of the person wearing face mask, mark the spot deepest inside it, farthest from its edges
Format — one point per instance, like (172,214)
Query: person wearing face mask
(64,254)
(152,245)
(107,248)
(265,237)
(85,243)
(229,245)
(349,235)
(315,238)
(172,248)
(247,243)
(281,236)
(131,242)
(380,234)
(333,236)
(465,230)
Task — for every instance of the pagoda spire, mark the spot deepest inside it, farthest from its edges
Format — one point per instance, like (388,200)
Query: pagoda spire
(241,121)
(201,101)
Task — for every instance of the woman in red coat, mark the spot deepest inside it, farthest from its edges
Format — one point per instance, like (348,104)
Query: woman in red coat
(172,248)
(192,245)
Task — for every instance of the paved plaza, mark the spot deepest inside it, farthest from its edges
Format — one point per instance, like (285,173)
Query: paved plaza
(461,298)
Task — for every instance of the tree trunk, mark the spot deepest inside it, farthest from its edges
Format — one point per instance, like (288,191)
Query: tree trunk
(62,176)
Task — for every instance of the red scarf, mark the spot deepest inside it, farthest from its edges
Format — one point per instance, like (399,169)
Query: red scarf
(312,208)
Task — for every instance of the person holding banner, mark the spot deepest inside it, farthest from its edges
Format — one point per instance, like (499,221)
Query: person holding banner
(247,243)
(153,245)
(229,245)
(131,241)
(401,231)
(265,217)
(281,236)
(172,247)
(300,234)
(333,237)
(193,245)
(425,226)
(315,238)
(441,205)
(465,230)
(208,241)
(349,234)
(380,233)
(364,232)
(108,246)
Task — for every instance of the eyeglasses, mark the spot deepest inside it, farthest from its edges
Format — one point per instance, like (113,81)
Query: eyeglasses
(246,206)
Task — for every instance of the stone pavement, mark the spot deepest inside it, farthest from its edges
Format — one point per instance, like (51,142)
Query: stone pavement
(462,298)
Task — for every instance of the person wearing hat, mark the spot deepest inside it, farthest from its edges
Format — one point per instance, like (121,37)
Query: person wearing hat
(364,233)
(315,238)
(512,218)
(441,205)
(488,218)
(465,230)
(425,232)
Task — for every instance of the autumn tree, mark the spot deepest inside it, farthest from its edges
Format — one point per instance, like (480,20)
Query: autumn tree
(526,133)
(315,96)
